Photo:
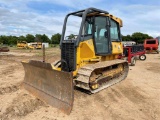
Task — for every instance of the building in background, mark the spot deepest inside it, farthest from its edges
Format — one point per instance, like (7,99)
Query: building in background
(46,45)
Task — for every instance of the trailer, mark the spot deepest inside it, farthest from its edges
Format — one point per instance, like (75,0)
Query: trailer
(151,45)
(131,53)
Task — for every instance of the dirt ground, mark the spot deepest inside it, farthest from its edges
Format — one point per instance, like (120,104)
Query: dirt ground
(135,98)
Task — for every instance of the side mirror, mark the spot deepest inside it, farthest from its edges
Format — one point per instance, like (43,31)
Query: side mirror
(106,34)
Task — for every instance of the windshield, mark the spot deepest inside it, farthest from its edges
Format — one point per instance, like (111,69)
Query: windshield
(151,42)
(72,27)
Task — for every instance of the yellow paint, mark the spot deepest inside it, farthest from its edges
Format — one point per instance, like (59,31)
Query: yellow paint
(111,16)
(87,49)
(86,53)
(22,44)
(95,86)
(117,48)
(116,19)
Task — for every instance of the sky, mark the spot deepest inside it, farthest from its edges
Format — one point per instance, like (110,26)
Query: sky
(21,17)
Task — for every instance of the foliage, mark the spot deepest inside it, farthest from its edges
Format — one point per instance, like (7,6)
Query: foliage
(42,38)
(55,39)
(45,38)
(71,36)
(30,38)
(21,38)
(12,40)
(9,40)
(127,38)
(137,37)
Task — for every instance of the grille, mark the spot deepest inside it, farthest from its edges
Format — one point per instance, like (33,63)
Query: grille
(134,49)
(68,56)
(137,48)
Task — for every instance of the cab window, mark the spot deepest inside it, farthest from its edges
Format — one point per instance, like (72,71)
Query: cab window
(114,31)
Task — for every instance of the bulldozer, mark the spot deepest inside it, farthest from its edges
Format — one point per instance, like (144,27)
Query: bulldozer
(88,61)
(22,44)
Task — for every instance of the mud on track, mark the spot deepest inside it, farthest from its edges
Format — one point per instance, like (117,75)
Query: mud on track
(135,98)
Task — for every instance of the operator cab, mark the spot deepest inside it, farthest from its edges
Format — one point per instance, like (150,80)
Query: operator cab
(89,24)
(92,24)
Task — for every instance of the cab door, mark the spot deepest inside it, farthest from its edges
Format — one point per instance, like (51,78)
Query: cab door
(102,36)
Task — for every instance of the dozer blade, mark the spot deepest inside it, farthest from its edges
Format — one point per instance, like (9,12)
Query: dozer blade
(49,85)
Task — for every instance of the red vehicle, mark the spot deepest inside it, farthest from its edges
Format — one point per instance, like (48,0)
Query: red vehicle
(130,53)
(151,45)
(4,49)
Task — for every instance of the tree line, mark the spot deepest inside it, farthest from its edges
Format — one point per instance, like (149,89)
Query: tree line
(55,39)
(12,40)
(137,37)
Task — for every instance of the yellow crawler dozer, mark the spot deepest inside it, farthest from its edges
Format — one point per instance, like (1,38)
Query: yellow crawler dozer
(22,44)
(88,60)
